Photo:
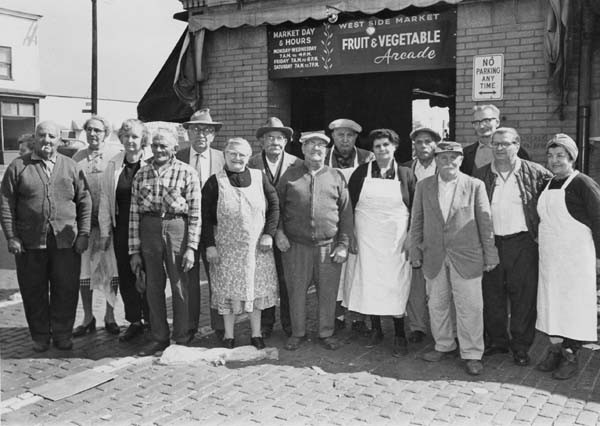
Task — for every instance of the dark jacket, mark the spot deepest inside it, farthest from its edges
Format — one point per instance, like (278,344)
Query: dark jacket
(314,210)
(531,178)
(469,152)
(31,200)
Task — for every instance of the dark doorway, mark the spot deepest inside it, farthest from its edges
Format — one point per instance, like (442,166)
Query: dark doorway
(373,100)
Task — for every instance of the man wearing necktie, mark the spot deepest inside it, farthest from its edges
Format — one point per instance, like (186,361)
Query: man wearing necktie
(207,161)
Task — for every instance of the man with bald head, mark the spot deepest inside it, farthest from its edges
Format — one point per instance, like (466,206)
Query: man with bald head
(45,211)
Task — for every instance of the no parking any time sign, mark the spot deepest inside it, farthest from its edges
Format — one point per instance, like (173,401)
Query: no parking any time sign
(488,77)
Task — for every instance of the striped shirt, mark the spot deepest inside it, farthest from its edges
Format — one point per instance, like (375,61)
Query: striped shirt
(173,188)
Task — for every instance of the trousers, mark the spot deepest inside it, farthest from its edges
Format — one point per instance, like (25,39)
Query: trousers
(268,315)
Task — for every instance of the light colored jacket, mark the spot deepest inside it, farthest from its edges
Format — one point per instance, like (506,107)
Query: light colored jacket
(466,237)
(108,190)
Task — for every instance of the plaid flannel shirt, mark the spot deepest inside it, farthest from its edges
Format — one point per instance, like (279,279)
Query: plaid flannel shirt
(173,188)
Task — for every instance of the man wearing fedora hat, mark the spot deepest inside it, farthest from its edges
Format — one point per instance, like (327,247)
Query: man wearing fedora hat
(314,233)
(454,250)
(206,161)
(424,140)
(345,156)
(274,162)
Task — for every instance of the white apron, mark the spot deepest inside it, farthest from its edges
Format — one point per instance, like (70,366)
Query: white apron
(347,267)
(566,300)
(380,284)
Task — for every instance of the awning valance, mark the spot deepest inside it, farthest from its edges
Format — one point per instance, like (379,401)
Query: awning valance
(255,14)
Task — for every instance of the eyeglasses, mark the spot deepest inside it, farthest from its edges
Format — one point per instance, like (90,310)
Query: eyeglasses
(274,138)
(94,130)
(486,121)
(316,143)
(203,130)
(502,144)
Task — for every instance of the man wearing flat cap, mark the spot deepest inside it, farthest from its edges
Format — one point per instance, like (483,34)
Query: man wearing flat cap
(207,161)
(314,232)
(274,162)
(486,119)
(424,140)
(454,249)
(513,186)
(345,156)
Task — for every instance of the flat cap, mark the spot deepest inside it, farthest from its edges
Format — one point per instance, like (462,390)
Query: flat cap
(318,134)
(345,123)
(448,146)
(435,135)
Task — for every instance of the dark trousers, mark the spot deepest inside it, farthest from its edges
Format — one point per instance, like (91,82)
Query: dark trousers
(216,320)
(49,284)
(514,281)
(268,315)
(194,294)
(136,305)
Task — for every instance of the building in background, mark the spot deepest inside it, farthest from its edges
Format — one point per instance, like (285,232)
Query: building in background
(46,48)
(310,61)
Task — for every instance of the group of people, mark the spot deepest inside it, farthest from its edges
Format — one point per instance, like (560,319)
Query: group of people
(479,245)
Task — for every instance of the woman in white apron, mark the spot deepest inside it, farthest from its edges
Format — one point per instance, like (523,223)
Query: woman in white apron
(240,212)
(381,194)
(569,238)
(348,157)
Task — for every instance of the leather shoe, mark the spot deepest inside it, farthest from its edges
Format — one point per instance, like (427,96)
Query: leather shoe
(568,367)
(360,327)
(155,349)
(81,330)
(400,347)
(112,327)
(437,356)
(229,343)
(495,350)
(551,361)
(521,358)
(474,367)
(134,330)
(257,342)
(416,336)
(330,343)
(375,338)
(63,345)
(40,346)
(266,332)
(293,343)
(339,324)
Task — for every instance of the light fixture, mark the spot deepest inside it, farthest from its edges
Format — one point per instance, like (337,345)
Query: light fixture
(370,29)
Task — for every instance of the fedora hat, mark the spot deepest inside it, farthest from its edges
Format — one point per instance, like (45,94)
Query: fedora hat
(202,116)
(274,124)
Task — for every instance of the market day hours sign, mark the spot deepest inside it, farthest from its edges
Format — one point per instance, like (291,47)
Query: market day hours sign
(488,77)
(399,43)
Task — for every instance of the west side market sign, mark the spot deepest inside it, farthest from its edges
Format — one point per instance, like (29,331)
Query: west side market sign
(399,43)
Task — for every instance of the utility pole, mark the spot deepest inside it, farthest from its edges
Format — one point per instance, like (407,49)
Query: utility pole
(94,109)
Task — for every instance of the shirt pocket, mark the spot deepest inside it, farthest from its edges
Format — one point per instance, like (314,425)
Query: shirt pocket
(173,201)
(146,194)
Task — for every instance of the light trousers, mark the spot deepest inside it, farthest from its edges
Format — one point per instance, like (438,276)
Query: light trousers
(449,290)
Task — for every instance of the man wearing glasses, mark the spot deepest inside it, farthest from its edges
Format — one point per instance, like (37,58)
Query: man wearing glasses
(314,232)
(513,186)
(201,130)
(486,119)
(274,161)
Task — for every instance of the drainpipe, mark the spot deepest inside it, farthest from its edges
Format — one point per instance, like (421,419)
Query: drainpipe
(586,19)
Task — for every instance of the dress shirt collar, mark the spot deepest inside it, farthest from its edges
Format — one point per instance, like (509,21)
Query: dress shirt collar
(202,154)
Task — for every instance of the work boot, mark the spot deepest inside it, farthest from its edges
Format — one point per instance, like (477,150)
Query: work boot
(568,367)
(552,359)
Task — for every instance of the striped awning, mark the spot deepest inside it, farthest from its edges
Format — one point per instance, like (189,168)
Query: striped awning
(280,11)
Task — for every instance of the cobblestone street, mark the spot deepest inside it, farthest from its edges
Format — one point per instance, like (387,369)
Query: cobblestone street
(353,385)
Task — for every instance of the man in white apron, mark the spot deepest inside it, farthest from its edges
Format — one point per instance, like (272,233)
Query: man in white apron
(346,157)
(513,186)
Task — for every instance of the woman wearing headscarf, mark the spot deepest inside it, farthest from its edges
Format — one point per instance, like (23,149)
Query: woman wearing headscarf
(113,216)
(240,213)
(569,245)
(381,193)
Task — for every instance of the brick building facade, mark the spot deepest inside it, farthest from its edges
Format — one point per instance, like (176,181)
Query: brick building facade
(240,93)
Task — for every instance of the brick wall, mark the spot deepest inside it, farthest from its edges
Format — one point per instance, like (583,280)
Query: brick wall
(515,29)
(236,86)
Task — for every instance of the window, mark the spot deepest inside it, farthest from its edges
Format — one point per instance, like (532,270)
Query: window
(17,117)
(5,63)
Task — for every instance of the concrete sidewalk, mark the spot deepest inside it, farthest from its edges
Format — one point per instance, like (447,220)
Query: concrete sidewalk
(353,385)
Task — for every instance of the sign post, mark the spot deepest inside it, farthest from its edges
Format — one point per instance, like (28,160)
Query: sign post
(488,77)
